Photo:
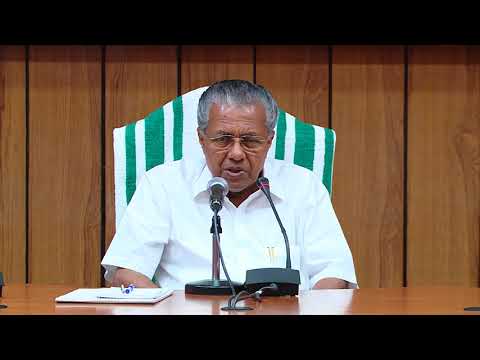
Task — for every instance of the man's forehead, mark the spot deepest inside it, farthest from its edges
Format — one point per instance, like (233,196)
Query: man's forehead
(237,112)
(237,119)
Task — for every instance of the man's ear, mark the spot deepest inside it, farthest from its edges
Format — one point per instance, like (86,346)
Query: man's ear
(270,138)
(201,138)
(269,141)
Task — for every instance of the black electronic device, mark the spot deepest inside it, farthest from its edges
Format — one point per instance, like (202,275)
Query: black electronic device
(287,281)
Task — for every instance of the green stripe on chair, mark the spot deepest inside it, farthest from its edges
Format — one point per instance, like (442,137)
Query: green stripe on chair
(177,128)
(154,139)
(280,134)
(131,167)
(304,144)
(329,150)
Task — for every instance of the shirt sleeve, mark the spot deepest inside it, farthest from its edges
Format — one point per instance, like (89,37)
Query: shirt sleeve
(327,253)
(142,234)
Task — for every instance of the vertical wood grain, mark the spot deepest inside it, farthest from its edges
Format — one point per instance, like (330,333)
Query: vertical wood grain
(12,163)
(367,115)
(297,77)
(203,65)
(444,166)
(64,161)
(139,79)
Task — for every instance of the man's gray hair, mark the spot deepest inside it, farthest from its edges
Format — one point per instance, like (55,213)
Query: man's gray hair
(237,92)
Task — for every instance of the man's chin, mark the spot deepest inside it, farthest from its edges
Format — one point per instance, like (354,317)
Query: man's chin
(239,188)
(233,189)
(235,185)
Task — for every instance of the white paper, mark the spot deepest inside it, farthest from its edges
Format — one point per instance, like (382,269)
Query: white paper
(115,295)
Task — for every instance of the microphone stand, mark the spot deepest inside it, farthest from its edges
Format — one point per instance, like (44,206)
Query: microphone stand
(213,286)
(215,251)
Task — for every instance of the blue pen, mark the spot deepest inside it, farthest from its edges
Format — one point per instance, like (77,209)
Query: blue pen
(127,290)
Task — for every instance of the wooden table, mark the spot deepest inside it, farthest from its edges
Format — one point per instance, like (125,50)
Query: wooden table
(39,300)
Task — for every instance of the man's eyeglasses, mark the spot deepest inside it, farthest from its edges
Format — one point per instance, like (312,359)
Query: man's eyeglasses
(248,142)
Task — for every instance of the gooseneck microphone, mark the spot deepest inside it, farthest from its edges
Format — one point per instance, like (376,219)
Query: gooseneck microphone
(287,280)
(264,185)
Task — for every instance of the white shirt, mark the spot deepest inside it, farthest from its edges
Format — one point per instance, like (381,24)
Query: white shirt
(165,230)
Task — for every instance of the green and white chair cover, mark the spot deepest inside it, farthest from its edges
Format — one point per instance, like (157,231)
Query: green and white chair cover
(170,132)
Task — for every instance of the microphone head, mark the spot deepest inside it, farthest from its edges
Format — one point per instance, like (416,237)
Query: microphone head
(217,182)
(217,188)
(263,183)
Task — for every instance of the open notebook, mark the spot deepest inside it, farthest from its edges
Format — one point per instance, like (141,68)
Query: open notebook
(113,295)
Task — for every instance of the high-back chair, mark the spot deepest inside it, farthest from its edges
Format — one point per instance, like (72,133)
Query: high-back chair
(170,132)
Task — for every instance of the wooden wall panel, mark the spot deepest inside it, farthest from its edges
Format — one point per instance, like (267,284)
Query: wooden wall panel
(65,123)
(139,79)
(297,77)
(203,65)
(12,163)
(367,115)
(65,165)
(443,166)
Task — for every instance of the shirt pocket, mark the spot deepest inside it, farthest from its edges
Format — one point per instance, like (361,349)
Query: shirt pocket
(251,258)
(275,255)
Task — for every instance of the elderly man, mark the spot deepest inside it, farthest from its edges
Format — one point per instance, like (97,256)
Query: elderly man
(164,234)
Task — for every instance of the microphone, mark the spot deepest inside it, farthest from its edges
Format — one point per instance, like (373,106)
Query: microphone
(218,189)
(264,185)
(287,279)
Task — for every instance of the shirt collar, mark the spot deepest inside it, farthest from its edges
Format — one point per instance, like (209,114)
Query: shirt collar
(270,171)
(200,183)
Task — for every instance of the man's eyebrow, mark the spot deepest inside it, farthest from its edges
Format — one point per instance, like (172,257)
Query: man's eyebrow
(221,132)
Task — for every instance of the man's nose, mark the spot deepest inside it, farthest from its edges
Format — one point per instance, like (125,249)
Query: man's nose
(236,151)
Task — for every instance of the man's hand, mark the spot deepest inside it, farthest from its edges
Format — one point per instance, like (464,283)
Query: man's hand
(331,283)
(126,277)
